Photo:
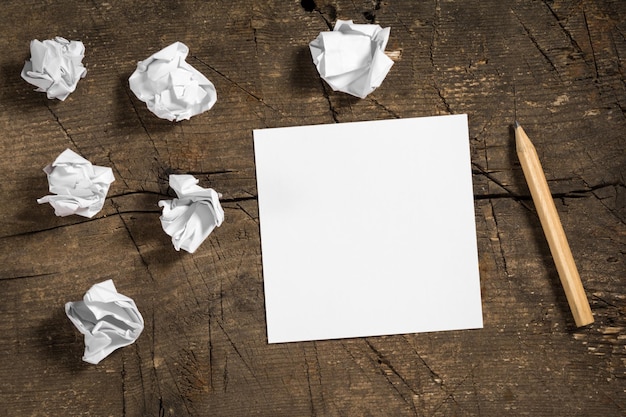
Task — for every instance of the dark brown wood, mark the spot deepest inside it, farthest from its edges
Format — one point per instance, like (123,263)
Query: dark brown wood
(556,66)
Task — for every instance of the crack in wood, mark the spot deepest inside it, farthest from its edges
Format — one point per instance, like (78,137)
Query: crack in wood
(65,131)
(236,349)
(385,108)
(310,390)
(563,28)
(123,387)
(333,112)
(28,276)
(433,375)
(593,51)
(431,55)
(311,6)
(141,122)
(450,394)
(254,219)
(239,86)
(535,42)
(134,242)
(487,174)
(383,360)
(499,237)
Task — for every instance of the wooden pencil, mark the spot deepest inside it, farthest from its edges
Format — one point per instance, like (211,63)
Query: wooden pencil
(552,227)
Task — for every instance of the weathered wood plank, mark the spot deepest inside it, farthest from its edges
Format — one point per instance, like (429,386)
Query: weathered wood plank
(556,66)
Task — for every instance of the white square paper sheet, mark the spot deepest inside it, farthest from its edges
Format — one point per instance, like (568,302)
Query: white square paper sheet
(367,228)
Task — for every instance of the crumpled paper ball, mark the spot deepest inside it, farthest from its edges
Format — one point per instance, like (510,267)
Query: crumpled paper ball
(79,187)
(108,319)
(351,58)
(172,89)
(190,218)
(55,66)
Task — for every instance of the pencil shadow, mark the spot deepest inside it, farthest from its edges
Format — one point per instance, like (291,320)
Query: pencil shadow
(512,154)
(60,342)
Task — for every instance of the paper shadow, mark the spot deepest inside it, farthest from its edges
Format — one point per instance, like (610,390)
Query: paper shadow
(151,242)
(17,93)
(306,80)
(60,343)
(304,77)
(132,115)
(32,215)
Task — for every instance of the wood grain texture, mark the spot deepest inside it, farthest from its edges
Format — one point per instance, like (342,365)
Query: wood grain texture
(556,66)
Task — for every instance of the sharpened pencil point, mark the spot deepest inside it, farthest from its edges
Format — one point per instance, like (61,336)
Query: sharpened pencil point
(516,124)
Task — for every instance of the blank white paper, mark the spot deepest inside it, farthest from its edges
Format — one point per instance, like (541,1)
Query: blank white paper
(367,228)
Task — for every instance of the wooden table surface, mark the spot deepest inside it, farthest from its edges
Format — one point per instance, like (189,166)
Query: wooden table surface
(556,66)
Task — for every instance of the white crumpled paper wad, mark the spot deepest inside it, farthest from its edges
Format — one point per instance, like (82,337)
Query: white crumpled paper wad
(352,57)
(55,66)
(78,186)
(172,89)
(108,319)
(190,218)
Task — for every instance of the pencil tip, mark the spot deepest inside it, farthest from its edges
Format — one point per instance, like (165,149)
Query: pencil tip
(516,124)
